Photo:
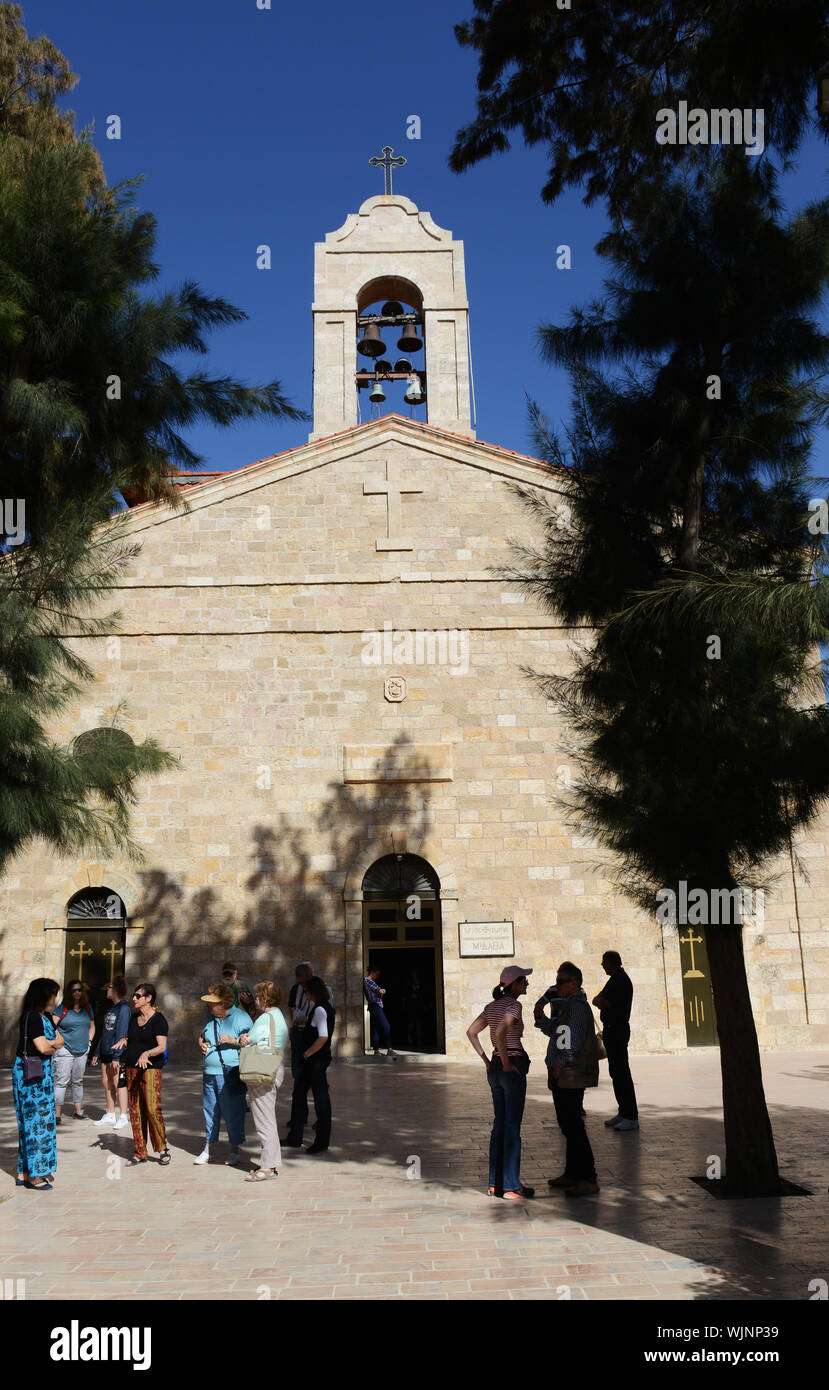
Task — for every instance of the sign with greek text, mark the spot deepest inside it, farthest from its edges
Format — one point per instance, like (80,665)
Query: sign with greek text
(486,939)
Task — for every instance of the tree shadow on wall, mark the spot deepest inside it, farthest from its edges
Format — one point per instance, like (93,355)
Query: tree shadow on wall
(288,908)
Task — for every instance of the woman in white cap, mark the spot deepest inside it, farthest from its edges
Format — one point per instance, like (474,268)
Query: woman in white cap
(507,1075)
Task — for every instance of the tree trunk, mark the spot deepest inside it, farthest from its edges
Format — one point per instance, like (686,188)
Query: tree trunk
(692,509)
(750,1159)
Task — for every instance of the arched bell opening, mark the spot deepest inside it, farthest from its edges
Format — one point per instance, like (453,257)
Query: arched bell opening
(402,936)
(391,351)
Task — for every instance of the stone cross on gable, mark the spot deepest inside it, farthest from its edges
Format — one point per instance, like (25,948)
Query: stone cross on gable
(393,491)
(389,160)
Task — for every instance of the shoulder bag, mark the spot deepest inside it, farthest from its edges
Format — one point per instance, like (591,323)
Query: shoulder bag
(32,1066)
(233,1081)
(258,1065)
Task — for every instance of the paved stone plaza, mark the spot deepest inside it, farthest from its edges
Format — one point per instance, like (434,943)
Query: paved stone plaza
(353,1224)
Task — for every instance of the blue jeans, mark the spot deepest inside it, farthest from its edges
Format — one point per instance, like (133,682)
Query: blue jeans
(221,1104)
(509,1090)
(380,1026)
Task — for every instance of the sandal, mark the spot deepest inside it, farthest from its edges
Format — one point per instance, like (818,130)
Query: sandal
(165,1157)
(260,1175)
(135,1159)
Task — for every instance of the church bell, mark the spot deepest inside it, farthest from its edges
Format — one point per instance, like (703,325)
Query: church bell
(371,344)
(414,394)
(409,341)
(377,394)
(403,365)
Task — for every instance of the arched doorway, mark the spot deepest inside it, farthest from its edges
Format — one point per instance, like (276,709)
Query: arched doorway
(402,936)
(95,948)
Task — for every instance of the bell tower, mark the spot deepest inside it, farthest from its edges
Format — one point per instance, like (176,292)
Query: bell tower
(391,282)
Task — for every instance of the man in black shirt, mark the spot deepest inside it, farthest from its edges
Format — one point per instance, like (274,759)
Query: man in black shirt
(614,1004)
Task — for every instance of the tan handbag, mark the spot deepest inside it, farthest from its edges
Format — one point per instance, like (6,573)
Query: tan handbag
(258,1065)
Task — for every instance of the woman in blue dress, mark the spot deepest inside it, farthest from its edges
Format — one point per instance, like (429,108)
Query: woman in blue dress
(34,1100)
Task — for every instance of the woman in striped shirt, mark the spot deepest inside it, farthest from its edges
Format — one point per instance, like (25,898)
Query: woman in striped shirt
(507,1075)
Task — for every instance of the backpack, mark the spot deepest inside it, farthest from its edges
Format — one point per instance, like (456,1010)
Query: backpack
(66,1011)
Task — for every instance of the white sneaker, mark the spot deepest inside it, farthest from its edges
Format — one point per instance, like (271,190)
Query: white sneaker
(108,1119)
(233,1157)
(204,1157)
(123,1122)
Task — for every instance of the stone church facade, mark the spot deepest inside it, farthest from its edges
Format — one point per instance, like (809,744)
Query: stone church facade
(365,772)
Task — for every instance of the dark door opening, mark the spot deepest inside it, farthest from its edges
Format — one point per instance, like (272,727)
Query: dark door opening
(408,977)
(402,935)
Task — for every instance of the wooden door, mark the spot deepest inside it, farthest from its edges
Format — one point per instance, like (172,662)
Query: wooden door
(698,998)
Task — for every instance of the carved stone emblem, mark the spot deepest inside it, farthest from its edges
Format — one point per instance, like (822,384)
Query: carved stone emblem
(396,689)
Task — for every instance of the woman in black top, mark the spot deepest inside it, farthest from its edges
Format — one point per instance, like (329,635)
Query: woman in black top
(143,1060)
(316,1038)
(34,1096)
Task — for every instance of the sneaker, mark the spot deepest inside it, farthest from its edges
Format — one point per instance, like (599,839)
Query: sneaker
(108,1119)
(581,1189)
(512,1196)
(626,1124)
(233,1157)
(562,1181)
(83,1115)
(204,1157)
(612,1123)
(123,1122)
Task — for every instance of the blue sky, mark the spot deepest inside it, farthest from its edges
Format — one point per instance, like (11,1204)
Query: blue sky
(254,126)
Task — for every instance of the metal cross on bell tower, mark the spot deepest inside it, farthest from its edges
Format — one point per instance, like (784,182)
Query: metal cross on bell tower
(388,162)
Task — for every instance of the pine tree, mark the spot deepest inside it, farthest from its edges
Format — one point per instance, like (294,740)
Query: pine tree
(587,82)
(688,463)
(90,404)
(52,593)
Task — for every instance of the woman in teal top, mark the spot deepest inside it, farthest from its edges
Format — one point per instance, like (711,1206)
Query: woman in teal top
(223,1091)
(268,997)
(77,1026)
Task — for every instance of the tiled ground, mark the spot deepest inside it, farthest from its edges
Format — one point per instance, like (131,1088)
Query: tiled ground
(354,1224)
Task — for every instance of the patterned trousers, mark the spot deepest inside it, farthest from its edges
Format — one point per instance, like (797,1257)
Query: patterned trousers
(144,1095)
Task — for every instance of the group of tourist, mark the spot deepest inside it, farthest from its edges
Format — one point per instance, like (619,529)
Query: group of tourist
(52,1052)
(572,1062)
(54,1045)
(246,1035)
